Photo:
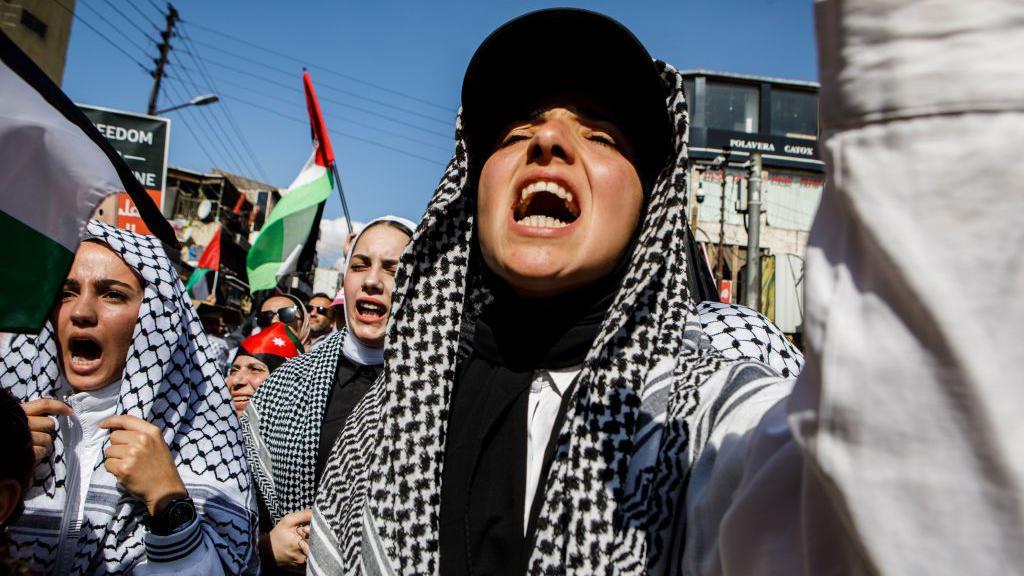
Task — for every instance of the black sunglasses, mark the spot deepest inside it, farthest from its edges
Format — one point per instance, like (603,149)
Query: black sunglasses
(321,310)
(286,315)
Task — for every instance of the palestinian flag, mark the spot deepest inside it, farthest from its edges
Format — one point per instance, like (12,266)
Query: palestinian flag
(272,345)
(55,168)
(209,261)
(295,219)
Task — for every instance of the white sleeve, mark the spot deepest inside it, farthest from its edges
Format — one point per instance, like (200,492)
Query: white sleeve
(189,551)
(900,449)
(731,413)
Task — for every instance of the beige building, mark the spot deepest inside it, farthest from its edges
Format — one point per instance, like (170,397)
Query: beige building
(42,28)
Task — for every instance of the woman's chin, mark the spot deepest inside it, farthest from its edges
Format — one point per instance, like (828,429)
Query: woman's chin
(89,375)
(89,383)
(239,404)
(370,336)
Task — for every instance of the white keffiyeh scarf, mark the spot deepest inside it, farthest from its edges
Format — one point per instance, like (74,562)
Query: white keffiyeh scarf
(171,380)
(647,399)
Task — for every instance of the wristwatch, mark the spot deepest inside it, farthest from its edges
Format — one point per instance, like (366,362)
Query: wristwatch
(177,514)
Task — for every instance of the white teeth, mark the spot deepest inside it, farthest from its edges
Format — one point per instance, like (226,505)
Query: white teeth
(537,221)
(550,187)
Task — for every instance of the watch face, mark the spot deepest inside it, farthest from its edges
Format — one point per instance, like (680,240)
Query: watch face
(180,514)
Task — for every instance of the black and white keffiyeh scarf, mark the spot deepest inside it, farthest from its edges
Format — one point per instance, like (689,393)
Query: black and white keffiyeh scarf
(170,380)
(282,423)
(646,401)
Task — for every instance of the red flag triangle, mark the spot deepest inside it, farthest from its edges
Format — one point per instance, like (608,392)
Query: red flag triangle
(325,154)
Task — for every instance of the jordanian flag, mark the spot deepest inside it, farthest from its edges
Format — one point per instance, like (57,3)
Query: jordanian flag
(55,168)
(291,223)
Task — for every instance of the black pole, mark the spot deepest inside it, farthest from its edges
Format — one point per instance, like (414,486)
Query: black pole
(161,62)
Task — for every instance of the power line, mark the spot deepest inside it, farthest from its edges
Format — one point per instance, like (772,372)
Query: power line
(177,94)
(338,117)
(211,117)
(204,72)
(327,86)
(144,16)
(198,140)
(231,151)
(129,20)
(121,32)
(103,36)
(339,133)
(204,126)
(212,133)
(222,34)
(374,113)
(155,7)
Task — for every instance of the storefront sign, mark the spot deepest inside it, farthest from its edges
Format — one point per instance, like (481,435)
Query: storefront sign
(762,143)
(143,143)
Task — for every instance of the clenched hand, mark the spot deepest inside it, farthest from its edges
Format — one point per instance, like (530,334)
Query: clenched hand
(39,412)
(140,460)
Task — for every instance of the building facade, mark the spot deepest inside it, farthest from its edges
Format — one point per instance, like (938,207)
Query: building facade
(200,204)
(732,117)
(42,29)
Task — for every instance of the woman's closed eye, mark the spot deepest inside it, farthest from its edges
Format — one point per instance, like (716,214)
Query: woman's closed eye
(513,137)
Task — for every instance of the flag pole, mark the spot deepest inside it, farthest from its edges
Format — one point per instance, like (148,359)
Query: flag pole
(341,193)
(220,206)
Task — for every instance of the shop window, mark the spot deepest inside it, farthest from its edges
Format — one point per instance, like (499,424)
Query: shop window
(30,21)
(732,107)
(794,113)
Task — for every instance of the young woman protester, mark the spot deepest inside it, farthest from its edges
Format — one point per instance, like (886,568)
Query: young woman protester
(293,419)
(140,464)
(551,400)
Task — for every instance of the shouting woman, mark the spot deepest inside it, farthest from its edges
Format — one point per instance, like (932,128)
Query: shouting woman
(140,464)
(551,401)
(293,419)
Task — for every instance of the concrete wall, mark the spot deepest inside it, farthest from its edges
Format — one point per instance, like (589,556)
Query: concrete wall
(47,49)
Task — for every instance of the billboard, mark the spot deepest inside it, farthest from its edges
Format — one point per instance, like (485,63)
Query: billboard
(143,142)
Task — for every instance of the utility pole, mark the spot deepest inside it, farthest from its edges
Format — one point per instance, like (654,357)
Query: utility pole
(753,279)
(161,62)
(721,227)
(697,196)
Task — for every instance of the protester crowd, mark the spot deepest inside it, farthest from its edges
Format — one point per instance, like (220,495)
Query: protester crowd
(522,382)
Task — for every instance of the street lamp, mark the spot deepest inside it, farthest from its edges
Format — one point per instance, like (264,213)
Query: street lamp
(197,101)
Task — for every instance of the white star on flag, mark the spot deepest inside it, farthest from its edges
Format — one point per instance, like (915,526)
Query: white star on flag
(278,342)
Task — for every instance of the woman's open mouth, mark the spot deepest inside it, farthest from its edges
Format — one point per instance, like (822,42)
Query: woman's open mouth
(86,355)
(240,402)
(370,311)
(545,204)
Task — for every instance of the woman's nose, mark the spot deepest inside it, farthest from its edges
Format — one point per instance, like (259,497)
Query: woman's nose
(552,141)
(372,280)
(83,311)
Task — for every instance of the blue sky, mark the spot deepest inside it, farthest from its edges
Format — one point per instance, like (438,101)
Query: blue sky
(388,75)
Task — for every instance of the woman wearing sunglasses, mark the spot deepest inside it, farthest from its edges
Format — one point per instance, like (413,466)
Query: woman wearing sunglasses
(288,310)
(290,424)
